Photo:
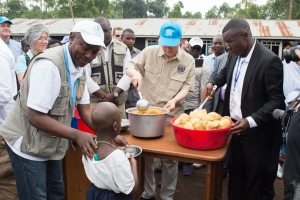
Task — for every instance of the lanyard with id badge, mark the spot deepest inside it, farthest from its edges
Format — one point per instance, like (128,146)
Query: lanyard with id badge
(72,88)
(235,96)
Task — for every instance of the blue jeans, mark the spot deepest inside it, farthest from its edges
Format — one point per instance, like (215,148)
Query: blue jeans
(37,180)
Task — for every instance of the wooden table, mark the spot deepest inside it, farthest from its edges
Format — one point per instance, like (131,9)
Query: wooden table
(166,147)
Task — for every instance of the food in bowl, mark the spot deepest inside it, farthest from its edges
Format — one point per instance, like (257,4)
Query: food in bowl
(201,120)
(131,150)
(149,111)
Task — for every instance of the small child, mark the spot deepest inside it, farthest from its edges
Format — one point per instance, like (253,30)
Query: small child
(113,175)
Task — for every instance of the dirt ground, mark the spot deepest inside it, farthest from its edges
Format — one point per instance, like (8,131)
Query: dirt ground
(193,187)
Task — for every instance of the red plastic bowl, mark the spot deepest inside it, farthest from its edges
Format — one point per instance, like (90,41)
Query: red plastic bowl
(200,139)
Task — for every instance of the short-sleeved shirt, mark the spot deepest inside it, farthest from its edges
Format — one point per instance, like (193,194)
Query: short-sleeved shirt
(21,65)
(163,79)
(15,48)
(112,173)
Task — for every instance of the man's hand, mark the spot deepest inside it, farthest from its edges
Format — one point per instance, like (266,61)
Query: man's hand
(109,98)
(120,140)
(170,105)
(136,77)
(208,89)
(240,126)
(86,142)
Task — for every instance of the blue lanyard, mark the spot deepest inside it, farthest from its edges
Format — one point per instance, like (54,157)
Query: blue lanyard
(238,71)
(73,88)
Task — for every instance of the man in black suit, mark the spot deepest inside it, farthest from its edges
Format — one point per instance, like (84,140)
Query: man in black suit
(254,78)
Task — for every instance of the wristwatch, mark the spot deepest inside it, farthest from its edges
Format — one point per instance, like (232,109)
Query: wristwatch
(116,94)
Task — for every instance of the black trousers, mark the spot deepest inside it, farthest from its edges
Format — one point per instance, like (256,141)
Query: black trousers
(252,170)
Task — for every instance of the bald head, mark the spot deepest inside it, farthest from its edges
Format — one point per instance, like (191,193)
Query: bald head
(105,25)
(237,24)
(106,116)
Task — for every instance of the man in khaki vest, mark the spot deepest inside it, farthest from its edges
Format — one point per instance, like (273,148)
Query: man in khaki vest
(168,74)
(107,70)
(37,130)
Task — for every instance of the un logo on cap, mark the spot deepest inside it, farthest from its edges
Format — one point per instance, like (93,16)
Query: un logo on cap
(169,32)
(97,30)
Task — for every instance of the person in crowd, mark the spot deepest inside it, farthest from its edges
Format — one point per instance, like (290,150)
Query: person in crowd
(164,74)
(107,69)
(291,172)
(5,33)
(37,38)
(216,104)
(37,130)
(184,44)
(25,46)
(65,39)
(8,88)
(254,78)
(128,38)
(121,179)
(53,43)
(291,89)
(210,50)
(117,33)
(218,48)
(193,99)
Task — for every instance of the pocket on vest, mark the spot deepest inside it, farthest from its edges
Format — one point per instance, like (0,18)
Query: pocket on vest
(40,144)
(61,103)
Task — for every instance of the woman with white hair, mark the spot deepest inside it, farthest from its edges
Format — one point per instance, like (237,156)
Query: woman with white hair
(37,38)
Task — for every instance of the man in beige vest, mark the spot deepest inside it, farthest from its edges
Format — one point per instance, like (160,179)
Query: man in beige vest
(168,74)
(37,130)
(107,70)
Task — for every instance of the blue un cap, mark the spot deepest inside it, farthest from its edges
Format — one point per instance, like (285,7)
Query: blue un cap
(4,19)
(170,34)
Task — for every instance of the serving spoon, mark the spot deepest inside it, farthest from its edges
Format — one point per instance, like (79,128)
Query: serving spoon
(142,104)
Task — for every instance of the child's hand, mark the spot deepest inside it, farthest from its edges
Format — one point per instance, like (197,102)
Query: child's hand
(120,140)
(132,161)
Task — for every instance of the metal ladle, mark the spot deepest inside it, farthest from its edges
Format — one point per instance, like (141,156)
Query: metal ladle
(142,104)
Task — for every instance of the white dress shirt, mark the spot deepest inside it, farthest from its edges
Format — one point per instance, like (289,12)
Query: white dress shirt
(8,83)
(237,82)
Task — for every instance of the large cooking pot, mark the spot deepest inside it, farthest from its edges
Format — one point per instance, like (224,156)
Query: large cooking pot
(147,125)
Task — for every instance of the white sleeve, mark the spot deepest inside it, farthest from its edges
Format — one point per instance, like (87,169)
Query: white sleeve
(85,99)
(124,82)
(44,87)
(123,176)
(5,82)
(92,86)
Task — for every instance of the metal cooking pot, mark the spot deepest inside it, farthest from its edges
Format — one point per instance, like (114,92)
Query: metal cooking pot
(147,126)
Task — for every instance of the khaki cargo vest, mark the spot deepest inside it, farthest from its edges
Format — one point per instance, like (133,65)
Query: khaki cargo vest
(36,142)
(107,75)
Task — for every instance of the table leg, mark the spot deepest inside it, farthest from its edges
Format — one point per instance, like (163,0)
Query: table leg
(214,181)
(141,171)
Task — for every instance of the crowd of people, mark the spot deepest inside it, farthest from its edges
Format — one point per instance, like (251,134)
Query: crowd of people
(44,80)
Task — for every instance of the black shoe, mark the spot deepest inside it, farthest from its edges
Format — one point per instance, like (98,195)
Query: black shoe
(142,198)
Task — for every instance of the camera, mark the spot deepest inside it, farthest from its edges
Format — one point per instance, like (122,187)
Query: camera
(289,54)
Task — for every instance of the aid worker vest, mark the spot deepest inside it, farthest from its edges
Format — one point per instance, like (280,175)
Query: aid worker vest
(107,75)
(36,142)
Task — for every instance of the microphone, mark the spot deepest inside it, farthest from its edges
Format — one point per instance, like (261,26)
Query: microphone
(277,114)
